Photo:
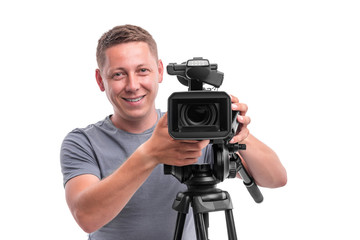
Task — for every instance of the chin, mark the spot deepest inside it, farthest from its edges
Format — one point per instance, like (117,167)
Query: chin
(137,114)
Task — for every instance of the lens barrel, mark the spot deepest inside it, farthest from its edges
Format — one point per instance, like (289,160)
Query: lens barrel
(199,115)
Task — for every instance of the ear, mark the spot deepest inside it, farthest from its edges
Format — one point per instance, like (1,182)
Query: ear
(161,71)
(99,80)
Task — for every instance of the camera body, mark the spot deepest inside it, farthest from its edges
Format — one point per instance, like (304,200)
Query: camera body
(200,114)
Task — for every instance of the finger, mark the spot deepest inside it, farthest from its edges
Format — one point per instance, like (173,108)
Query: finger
(241,107)
(192,154)
(202,142)
(245,120)
(188,141)
(234,99)
(243,134)
(194,146)
(185,162)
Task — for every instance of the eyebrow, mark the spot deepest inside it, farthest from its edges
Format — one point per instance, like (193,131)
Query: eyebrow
(124,69)
(143,65)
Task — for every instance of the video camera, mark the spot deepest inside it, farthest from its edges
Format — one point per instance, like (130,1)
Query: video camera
(200,114)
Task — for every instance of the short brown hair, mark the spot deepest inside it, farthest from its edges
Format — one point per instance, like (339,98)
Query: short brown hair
(123,34)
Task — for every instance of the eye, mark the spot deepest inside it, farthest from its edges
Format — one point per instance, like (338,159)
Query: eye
(143,71)
(118,75)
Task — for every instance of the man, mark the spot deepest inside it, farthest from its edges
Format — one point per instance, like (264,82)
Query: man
(113,175)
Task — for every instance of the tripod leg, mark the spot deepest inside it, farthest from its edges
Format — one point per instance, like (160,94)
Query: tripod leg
(230,224)
(200,226)
(206,220)
(180,221)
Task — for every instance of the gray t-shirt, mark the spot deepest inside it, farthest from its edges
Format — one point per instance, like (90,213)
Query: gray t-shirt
(100,149)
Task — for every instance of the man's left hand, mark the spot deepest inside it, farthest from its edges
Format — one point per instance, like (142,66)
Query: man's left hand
(242,132)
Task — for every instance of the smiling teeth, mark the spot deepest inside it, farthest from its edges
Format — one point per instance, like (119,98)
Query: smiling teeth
(134,99)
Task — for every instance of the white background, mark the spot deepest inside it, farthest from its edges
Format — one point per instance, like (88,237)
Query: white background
(295,63)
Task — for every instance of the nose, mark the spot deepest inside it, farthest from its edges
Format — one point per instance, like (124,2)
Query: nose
(133,83)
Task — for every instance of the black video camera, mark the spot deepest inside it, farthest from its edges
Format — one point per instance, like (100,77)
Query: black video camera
(200,114)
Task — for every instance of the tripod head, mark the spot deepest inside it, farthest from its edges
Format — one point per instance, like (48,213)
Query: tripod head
(205,177)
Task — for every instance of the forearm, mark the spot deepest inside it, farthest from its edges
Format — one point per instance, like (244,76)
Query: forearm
(101,202)
(94,203)
(263,163)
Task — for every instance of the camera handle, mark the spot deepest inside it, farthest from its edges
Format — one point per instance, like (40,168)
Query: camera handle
(195,72)
(249,182)
(227,163)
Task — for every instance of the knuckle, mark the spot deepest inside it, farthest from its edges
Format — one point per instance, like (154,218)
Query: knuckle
(198,154)
(234,98)
(199,146)
(195,160)
(245,107)
(191,161)
(179,156)
(203,144)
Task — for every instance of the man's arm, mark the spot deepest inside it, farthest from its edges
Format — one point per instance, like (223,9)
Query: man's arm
(259,159)
(263,163)
(95,202)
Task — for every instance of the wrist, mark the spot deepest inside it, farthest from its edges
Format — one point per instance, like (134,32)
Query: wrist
(147,154)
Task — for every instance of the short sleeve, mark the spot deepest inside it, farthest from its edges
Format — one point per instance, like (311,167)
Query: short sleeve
(77,156)
(207,156)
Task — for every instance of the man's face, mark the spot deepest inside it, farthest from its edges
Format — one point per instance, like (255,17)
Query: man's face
(130,78)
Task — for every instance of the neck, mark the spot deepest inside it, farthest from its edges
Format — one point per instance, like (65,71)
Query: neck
(135,125)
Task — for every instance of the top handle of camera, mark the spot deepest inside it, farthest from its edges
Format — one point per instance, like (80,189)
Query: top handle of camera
(195,72)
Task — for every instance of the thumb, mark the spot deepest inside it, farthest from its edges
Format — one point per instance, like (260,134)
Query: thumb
(163,121)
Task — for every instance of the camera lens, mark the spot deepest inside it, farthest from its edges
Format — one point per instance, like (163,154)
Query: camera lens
(198,114)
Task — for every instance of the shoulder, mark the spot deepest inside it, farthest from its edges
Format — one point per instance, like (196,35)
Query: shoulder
(82,135)
(103,124)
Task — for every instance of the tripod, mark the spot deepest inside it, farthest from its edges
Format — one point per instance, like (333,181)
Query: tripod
(202,204)
(203,195)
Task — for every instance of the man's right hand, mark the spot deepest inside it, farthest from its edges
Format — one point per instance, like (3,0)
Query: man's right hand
(163,149)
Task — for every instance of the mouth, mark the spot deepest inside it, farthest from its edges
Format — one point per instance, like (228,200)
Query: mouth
(134,99)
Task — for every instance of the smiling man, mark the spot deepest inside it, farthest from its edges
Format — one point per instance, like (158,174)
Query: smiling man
(130,76)
(113,175)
